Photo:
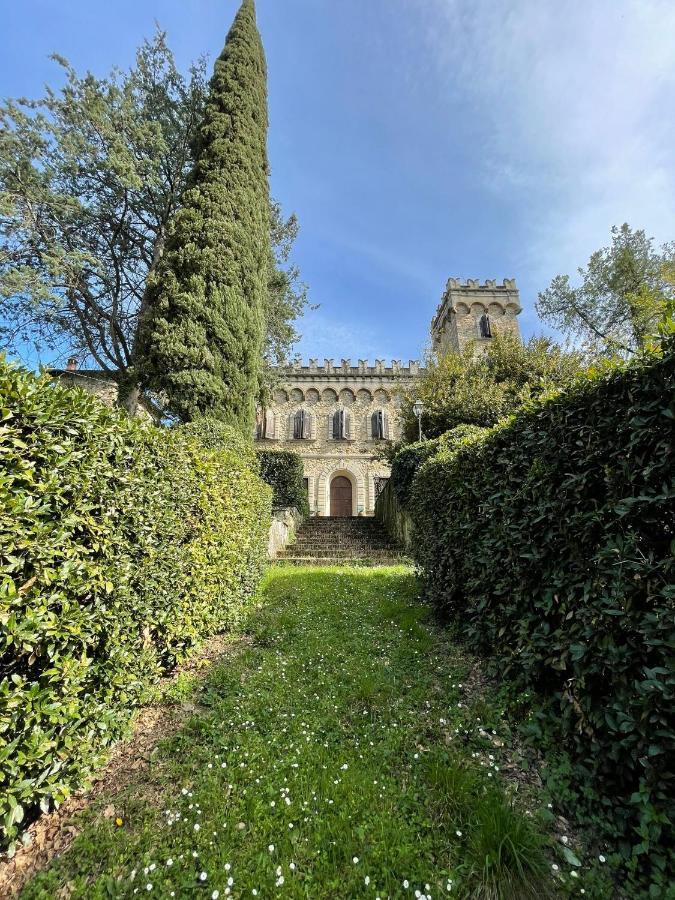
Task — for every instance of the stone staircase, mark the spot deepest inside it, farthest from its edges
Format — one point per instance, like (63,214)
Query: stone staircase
(328,541)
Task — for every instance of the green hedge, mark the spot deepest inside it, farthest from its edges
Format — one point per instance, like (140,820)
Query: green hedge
(410,458)
(550,541)
(121,546)
(283,470)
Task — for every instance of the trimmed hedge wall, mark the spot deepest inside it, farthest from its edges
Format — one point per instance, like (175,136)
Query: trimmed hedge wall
(121,546)
(409,459)
(550,541)
(283,470)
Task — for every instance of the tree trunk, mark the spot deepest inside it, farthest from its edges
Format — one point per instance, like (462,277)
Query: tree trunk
(129,394)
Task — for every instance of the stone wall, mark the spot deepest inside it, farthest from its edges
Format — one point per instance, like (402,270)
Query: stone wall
(394,518)
(102,386)
(457,320)
(285,523)
(321,391)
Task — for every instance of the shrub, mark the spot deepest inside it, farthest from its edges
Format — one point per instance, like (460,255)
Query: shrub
(121,545)
(468,389)
(283,470)
(550,541)
(411,457)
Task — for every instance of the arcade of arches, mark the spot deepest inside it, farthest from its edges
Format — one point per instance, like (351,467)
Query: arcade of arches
(337,416)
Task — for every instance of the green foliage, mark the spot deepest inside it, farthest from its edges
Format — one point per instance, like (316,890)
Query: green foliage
(327,719)
(550,542)
(623,295)
(286,301)
(283,470)
(202,337)
(462,389)
(121,546)
(410,458)
(90,175)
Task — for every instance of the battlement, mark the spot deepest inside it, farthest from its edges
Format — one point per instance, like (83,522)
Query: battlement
(346,370)
(456,322)
(473,284)
(461,295)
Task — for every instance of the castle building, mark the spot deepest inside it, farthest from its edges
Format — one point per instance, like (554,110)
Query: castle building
(336,417)
(471,313)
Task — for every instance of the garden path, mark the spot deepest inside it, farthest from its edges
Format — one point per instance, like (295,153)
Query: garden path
(337,755)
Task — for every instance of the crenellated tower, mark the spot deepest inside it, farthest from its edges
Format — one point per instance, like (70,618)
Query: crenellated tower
(472,313)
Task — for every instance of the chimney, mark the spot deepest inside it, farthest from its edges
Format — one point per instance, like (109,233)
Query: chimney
(71,365)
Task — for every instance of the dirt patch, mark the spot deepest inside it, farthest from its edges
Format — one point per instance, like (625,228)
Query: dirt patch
(53,833)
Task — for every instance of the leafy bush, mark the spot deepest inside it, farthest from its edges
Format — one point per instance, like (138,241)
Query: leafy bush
(550,540)
(283,470)
(410,458)
(121,545)
(465,389)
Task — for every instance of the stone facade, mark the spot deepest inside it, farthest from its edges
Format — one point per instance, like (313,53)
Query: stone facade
(457,322)
(369,399)
(93,381)
(302,415)
(365,399)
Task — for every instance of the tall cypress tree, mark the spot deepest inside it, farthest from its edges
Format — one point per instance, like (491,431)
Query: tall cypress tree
(203,324)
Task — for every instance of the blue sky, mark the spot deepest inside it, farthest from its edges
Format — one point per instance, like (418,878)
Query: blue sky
(421,139)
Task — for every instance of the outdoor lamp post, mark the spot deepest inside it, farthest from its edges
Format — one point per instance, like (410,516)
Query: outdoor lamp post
(418,409)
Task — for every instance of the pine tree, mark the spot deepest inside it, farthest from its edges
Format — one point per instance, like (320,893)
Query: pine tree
(203,324)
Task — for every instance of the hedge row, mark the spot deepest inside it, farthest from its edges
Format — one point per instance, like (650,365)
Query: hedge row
(121,546)
(550,541)
(283,470)
(409,459)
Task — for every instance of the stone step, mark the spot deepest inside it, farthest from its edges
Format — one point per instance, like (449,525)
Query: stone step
(347,548)
(303,538)
(340,561)
(336,553)
(335,541)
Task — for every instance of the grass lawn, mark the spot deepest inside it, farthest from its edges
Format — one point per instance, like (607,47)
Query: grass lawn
(335,756)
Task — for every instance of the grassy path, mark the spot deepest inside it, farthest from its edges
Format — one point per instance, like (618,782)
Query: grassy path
(335,757)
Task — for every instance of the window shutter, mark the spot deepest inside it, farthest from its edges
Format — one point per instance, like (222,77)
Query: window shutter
(291,426)
(385,427)
(301,425)
(270,423)
(305,425)
(347,425)
(373,426)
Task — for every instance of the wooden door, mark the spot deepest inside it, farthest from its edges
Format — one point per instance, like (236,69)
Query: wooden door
(341,497)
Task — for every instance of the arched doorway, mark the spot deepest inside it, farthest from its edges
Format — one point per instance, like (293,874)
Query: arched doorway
(341,497)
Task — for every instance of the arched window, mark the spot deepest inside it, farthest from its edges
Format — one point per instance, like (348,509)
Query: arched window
(485,326)
(301,425)
(341,425)
(379,425)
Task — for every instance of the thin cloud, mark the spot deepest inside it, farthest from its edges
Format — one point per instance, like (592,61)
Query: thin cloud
(575,101)
(324,337)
